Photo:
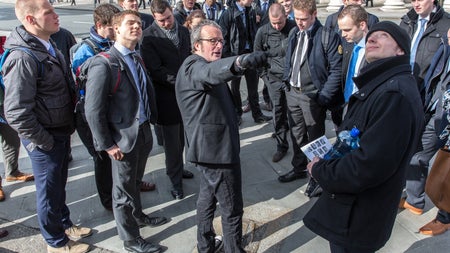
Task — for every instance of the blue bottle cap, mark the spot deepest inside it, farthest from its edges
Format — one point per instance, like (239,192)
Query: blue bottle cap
(355,132)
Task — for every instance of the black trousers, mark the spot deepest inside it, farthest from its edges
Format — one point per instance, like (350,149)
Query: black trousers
(102,162)
(127,173)
(307,123)
(339,249)
(279,111)
(173,148)
(221,185)
(252,80)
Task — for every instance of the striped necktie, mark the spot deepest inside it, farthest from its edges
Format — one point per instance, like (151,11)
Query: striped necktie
(416,42)
(142,82)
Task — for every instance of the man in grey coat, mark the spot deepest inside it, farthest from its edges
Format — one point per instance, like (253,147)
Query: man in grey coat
(212,133)
(119,115)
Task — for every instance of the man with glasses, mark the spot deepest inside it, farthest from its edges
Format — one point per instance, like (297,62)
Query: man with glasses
(212,133)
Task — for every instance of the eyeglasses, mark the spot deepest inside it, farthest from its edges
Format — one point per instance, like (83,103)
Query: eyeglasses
(213,41)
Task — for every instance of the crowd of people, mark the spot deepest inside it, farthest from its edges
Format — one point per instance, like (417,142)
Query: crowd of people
(180,70)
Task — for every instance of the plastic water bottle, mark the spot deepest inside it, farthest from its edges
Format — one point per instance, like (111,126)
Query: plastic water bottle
(80,102)
(346,142)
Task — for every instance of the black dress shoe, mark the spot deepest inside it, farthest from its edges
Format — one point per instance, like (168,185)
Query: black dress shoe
(140,245)
(291,176)
(177,194)
(262,119)
(278,156)
(187,174)
(151,221)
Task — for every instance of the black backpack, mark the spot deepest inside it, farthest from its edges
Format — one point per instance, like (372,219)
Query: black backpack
(82,76)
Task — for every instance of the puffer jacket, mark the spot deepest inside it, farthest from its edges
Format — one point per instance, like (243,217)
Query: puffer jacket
(37,109)
(436,29)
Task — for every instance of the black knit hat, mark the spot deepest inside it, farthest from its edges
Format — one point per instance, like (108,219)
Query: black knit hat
(398,34)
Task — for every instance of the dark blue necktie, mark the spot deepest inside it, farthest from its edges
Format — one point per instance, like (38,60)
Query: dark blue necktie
(264,7)
(350,73)
(142,82)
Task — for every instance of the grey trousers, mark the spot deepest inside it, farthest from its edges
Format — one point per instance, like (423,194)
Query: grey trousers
(127,174)
(10,146)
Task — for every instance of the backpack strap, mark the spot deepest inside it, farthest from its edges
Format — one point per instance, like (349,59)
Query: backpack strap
(114,63)
(93,45)
(38,63)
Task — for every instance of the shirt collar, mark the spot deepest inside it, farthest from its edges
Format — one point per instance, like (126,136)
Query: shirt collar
(45,43)
(123,50)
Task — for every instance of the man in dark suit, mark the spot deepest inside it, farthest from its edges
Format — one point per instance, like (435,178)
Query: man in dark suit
(120,124)
(312,75)
(261,8)
(238,24)
(212,133)
(332,20)
(352,21)
(164,48)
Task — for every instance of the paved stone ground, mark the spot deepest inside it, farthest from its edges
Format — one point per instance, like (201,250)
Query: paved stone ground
(272,215)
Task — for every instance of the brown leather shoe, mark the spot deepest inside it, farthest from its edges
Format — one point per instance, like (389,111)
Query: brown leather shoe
(20,176)
(2,194)
(405,205)
(434,227)
(147,186)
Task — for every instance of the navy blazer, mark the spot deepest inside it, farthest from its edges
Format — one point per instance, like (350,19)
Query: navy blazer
(324,64)
(113,117)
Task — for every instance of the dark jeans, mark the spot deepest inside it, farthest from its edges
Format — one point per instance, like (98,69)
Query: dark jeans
(50,169)
(221,185)
(443,217)
(252,79)
(339,249)
(10,147)
(417,172)
(102,162)
(173,148)
(306,122)
(127,174)
(279,111)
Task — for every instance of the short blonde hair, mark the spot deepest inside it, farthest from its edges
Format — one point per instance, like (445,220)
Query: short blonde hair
(24,8)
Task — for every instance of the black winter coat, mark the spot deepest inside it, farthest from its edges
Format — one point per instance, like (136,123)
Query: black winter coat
(362,190)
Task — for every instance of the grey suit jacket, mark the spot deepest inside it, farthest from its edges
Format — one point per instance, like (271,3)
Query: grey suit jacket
(114,116)
(209,116)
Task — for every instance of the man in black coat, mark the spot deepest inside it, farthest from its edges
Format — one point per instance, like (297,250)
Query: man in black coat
(426,24)
(272,38)
(165,46)
(332,19)
(361,190)
(238,24)
(212,133)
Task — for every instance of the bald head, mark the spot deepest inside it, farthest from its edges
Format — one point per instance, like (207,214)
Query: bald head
(277,16)
(276,10)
